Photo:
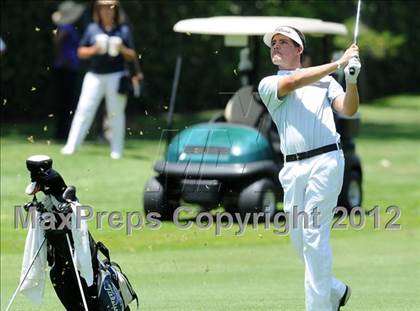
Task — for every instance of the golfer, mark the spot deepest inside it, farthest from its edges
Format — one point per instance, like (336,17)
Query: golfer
(301,103)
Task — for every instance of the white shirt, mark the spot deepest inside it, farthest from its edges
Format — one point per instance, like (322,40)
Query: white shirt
(304,117)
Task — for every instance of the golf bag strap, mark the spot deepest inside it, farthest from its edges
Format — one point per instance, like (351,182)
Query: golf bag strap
(103,249)
(133,293)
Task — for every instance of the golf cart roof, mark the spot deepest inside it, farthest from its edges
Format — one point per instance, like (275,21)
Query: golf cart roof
(256,25)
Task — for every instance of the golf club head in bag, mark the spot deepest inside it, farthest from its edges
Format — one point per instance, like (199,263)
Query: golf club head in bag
(44,178)
(47,180)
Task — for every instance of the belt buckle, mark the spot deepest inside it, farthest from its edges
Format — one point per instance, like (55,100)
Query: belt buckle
(297,156)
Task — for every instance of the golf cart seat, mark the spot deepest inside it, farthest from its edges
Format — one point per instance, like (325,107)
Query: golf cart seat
(245,107)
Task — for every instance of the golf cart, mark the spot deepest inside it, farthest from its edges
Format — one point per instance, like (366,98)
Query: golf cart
(234,159)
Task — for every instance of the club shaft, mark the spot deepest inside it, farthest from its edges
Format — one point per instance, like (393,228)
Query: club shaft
(356,25)
(26,274)
(77,274)
(352,70)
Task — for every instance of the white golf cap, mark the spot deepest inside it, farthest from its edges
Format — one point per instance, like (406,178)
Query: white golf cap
(285,31)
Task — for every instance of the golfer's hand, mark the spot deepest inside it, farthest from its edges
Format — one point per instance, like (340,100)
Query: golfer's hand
(352,70)
(352,51)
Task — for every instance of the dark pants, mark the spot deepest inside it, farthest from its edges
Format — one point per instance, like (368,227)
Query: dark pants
(64,100)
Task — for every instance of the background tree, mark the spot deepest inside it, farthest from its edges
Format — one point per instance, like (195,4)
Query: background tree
(389,39)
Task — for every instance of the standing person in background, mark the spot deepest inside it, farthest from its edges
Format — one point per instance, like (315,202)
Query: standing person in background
(108,44)
(131,85)
(66,65)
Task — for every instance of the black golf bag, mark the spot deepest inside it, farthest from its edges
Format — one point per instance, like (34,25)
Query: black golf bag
(111,289)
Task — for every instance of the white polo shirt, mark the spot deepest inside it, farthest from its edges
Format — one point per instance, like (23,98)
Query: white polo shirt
(304,117)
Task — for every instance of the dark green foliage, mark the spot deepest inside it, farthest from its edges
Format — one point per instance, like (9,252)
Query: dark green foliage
(208,66)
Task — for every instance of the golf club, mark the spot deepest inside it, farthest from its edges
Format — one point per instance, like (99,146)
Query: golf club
(356,32)
(77,274)
(26,274)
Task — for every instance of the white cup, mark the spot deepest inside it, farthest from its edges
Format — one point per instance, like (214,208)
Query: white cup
(114,46)
(101,41)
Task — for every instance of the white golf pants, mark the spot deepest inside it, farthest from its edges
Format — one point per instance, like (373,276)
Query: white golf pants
(308,184)
(95,87)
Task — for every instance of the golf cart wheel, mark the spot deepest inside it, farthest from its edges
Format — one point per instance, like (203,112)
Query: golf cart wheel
(259,197)
(352,191)
(155,199)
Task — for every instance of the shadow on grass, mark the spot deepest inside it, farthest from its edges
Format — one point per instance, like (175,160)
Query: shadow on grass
(385,131)
(152,127)
(398,102)
(137,127)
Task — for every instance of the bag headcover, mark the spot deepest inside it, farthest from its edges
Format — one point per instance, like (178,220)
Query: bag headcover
(44,177)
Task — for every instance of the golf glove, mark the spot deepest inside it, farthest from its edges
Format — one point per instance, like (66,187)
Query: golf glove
(352,70)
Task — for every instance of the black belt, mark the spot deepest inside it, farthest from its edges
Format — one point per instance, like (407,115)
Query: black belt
(312,153)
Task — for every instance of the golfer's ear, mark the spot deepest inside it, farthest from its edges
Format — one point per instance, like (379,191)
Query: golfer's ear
(300,50)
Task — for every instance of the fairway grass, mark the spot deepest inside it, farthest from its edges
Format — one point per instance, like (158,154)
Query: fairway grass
(381,267)
(174,269)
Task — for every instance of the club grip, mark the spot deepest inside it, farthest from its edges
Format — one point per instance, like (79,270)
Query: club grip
(352,70)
